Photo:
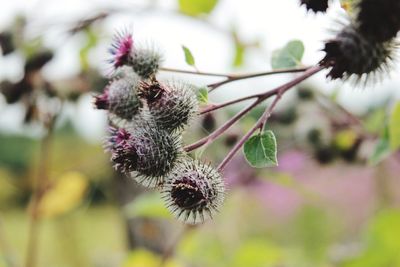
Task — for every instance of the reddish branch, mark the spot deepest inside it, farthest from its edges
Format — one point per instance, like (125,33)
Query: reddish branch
(259,99)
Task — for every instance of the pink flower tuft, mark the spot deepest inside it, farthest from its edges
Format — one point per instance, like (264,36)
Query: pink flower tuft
(102,101)
(121,49)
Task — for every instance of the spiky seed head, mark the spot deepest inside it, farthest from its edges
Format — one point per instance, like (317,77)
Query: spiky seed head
(315,5)
(146,153)
(172,105)
(352,54)
(145,61)
(378,20)
(121,49)
(120,96)
(193,191)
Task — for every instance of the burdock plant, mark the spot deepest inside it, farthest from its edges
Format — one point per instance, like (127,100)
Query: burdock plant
(149,146)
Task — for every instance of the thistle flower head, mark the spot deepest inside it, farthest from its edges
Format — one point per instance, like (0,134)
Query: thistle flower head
(147,153)
(171,105)
(352,54)
(315,5)
(121,49)
(193,191)
(120,96)
(145,61)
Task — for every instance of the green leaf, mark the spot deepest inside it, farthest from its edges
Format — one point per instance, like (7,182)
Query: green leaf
(375,121)
(196,7)
(289,56)
(394,128)
(188,56)
(260,150)
(149,205)
(202,95)
(91,42)
(239,54)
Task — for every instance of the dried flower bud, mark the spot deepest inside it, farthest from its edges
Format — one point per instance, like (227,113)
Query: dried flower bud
(120,96)
(351,53)
(315,5)
(379,20)
(172,105)
(193,191)
(145,152)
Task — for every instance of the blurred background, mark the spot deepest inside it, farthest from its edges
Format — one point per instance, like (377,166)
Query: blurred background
(334,200)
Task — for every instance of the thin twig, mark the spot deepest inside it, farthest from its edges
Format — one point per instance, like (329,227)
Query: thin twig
(40,187)
(212,74)
(264,118)
(234,78)
(5,248)
(214,135)
(213,107)
(260,98)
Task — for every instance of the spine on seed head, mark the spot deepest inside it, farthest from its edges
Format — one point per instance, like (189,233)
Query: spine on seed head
(378,20)
(193,191)
(146,152)
(171,105)
(120,96)
(315,5)
(145,61)
(351,53)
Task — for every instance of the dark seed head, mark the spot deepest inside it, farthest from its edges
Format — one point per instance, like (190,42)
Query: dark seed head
(145,152)
(193,191)
(350,53)
(120,96)
(171,105)
(379,20)
(315,5)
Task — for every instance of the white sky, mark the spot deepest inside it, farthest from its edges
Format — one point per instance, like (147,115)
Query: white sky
(274,23)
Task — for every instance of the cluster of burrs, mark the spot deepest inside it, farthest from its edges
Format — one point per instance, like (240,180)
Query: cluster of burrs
(366,43)
(147,119)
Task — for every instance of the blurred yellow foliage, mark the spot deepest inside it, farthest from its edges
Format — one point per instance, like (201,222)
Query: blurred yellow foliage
(345,139)
(347,5)
(64,195)
(145,258)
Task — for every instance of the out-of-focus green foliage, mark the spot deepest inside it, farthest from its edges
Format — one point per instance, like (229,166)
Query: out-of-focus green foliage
(144,258)
(240,50)
(288,56)
(382,242)
(202,95)
(394,127)
(197,7)
(375,122)
(91,42)
(257,252)
(17,152)
(149,205)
